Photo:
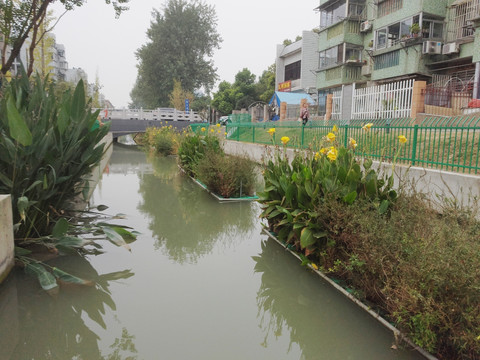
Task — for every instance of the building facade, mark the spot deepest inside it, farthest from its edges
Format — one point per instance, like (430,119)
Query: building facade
(384,41)
(296,64)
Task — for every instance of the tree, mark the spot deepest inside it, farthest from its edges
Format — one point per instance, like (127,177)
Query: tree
(23,18)
(266,84)
(244,91)
(182,39)
(178,96)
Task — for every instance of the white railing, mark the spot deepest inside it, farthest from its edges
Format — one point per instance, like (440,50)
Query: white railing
(386,101)
(460,19)
(337,104)
(160,114)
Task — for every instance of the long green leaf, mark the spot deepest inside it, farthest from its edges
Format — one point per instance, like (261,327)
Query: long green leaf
(60,228)
(47,281)
(306,238)
(18,127)
(66,277)
(115,238)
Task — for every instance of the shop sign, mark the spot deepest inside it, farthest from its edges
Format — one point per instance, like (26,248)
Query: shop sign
(285,86)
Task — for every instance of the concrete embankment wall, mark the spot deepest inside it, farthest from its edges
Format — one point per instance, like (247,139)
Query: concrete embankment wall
(437,184)
(6,236)
(6,219)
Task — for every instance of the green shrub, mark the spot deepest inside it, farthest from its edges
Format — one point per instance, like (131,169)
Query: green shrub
(228,176)
(164,140)
(193,147)
(417,266)
(47,147)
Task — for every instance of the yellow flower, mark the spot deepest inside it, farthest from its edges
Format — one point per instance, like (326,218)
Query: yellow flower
(335,128)
(332,154)
(331,137)
(225,133)
(271,131)
(317,155)
(367,127)
(203,129)
(285,140)
(218,125)
(212,131)
(323,151)
(353,143)
(314,266)
(219,131)
(402,139)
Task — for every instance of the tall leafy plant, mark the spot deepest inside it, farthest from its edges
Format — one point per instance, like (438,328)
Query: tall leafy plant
(47,147)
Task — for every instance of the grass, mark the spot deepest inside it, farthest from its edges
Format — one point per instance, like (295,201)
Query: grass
(443,148)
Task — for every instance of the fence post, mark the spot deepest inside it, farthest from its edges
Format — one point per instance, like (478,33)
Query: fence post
(238,132)
(253,134)
(303,136)
(414,145)
(345,140)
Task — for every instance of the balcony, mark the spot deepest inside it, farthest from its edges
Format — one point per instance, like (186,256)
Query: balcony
(460,19)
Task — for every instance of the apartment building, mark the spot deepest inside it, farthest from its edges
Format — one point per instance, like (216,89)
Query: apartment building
(296,64)
(370,42)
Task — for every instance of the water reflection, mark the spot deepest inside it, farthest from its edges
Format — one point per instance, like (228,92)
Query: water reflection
(185,220)
(294,300)
(64,331)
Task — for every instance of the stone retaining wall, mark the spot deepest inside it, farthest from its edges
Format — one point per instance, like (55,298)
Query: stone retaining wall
(439,185)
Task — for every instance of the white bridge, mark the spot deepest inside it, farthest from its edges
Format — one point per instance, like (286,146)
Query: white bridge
(160,114)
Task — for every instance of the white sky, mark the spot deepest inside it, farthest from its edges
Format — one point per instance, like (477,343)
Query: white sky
(100,44)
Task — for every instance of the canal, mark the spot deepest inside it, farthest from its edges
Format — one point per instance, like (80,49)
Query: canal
(200,282)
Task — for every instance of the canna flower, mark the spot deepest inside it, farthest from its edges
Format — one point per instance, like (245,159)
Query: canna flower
(332,154)
(367,127)
(271,131)
(285,140)
(402,139)
(317,155)
(331,137)
(203,129)
(323,151)
(353,143)
(335,128)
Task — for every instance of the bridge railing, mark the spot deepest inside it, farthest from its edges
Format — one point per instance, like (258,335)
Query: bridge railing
(161,114)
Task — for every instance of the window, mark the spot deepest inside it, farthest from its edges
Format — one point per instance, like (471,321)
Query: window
(338,11)
(331,56)
(333,14)
(387,60)
(293,70)
(393,33)
(388,6)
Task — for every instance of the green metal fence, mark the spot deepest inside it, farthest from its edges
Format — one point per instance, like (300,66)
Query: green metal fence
(445,143)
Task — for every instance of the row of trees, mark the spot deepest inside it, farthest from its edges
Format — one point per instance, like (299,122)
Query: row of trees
(25,19)
(176,64)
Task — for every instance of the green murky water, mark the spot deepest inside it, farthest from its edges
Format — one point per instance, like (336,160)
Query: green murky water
(201,282)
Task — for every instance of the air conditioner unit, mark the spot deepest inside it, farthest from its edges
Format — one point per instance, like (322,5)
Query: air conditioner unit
(365,26)
(451,48)
(432,47)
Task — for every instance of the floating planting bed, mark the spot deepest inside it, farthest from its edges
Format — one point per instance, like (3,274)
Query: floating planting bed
(399,336)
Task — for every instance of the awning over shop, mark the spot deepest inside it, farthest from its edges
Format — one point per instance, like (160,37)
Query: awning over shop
(290,98)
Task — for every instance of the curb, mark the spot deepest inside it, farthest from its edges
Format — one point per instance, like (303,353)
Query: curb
(397,333)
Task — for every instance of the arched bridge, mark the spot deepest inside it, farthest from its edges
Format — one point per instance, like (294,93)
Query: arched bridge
(120,127)
(131,121)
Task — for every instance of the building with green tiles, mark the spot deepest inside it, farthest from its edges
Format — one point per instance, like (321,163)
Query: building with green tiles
(370,42)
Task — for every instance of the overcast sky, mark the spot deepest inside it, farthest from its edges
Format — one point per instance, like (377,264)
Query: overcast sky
(100,44)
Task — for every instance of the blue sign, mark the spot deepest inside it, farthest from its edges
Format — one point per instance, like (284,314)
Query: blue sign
(187,106)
